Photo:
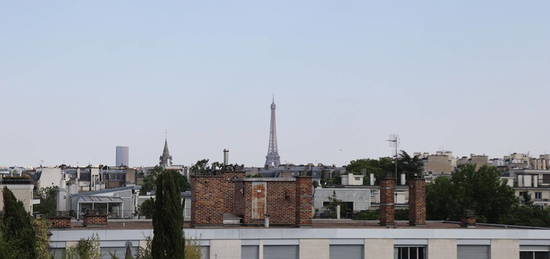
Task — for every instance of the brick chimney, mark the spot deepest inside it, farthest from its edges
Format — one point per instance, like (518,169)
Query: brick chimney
(387,205)
(304,200)
(417,201)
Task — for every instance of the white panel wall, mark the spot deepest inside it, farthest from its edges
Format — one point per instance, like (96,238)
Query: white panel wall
(378,248)
(225,249)
(504,249)
(442,248)
(314,249)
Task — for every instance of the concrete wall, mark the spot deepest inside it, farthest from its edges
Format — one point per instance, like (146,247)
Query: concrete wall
(314,242)
(504,249)
(22,192)
(360,197)
(50,177)
(442,248)
(378,248)
(351,179)
(225,249)
(439,164)
(314,249)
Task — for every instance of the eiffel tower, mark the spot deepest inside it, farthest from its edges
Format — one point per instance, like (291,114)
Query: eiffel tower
(272,159)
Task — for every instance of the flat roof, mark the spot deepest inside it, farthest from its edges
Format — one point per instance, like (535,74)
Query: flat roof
(99,199)
(317,224)
(292,235)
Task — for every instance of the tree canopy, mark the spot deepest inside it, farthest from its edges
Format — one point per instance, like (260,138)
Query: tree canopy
(203,167)
(149,181)
(481,191)
(17,227)
(168,241)
(411,165)
(48,201)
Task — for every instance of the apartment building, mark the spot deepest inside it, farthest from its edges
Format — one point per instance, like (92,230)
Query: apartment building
(534,183)
(477,160)
(22,189)
(325,240)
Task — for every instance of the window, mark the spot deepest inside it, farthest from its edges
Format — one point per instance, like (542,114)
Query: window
(250,252)
(57,253)
(410,252)
(533,255)
(346,251)
(473,252)
(281,252)
(120,252)
(534,252)
(357,178)
(538,195)
(205,252)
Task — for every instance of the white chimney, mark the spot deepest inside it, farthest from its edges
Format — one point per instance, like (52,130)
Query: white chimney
(372,180)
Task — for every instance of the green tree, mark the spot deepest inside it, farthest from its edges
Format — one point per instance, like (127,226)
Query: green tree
(149,181)
(411,166)
(145,252)
(333,204)
(128,254)
(6,250)
(528,215)
(168,241)
(192,249)
(85,249)
(440,200)
(200,167)
(469,189)
(48,201)
(42,244)
(147,208)
(379,167)
(17,227)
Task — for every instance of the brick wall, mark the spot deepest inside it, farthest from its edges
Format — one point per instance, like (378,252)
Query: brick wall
(387,205)
(60,222)
(281,202)
(417,202)
(238,199)
(212,196)
(286,201)
(304,200)
(95,220)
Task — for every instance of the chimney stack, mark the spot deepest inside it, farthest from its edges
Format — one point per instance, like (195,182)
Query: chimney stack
(225,156)
(304,200)
(417,201)
(387,205)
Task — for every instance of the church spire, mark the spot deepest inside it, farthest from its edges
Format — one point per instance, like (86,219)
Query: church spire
(165,158)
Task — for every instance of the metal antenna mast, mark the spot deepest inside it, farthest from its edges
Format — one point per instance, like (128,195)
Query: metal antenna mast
(394,142)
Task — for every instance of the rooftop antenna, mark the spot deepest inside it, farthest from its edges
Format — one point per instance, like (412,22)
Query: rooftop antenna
(394,143)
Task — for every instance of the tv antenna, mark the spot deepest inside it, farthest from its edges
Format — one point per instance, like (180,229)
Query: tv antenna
(394,143)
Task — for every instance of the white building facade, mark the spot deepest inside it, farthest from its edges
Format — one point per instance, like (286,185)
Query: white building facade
(334,243)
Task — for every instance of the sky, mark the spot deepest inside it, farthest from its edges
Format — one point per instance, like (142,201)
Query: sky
(78,78)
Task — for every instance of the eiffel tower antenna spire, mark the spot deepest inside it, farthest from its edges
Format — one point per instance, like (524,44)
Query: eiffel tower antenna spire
(272,159)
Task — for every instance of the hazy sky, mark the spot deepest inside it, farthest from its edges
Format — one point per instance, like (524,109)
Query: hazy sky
(78,78)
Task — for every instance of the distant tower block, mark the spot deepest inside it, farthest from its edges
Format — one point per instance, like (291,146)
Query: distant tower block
(272,159)
(122,156)
(166,158)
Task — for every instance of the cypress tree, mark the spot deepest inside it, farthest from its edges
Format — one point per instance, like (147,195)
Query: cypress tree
(17,226)
(168,240)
